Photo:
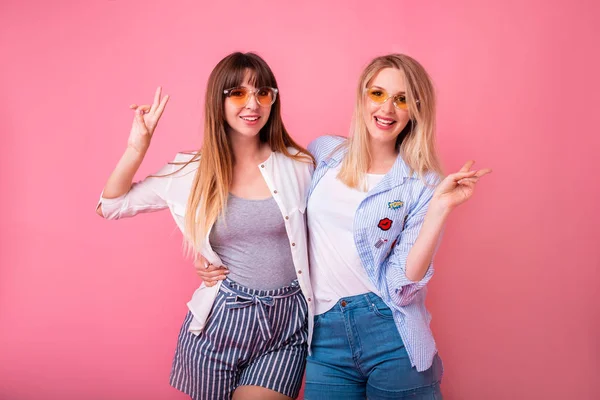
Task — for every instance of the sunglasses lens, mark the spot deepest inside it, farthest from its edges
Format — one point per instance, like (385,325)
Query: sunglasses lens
(265,96)
(238,96)
(378,96)
(400,102)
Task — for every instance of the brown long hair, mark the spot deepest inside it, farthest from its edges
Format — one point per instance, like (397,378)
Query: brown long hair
(208,197)
(416,142)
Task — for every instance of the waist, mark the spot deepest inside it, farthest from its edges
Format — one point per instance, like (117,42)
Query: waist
(231,287)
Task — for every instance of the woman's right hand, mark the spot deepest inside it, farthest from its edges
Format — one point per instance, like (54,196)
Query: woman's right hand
(144,122)
(209,273)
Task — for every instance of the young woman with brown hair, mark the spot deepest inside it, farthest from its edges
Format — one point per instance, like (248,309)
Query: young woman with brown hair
(240,201)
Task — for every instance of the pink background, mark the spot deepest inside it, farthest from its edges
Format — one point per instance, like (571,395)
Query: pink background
(91,309)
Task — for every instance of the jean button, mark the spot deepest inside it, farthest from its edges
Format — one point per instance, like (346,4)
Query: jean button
(343,303)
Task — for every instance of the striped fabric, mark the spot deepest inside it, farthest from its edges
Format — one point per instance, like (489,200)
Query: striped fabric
(253,337)
(386,225)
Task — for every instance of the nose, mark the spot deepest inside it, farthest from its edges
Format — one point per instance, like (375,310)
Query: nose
(388,106)
(252,102)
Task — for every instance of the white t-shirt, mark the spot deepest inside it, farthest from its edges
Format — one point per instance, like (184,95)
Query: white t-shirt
(335,267)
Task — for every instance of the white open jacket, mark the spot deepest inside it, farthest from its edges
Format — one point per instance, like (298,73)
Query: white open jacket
(288,180)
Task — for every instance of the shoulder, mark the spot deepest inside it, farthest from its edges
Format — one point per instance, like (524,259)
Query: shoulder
(431,178)
(295,152)
(427,180)
(297,160)
(425,185)
(186,156)
(323,146)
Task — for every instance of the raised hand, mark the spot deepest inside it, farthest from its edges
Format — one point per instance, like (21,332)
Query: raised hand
(457,188)
(144,122)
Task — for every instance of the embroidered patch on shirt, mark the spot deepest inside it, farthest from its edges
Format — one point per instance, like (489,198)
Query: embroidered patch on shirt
(380,242)
(396,204)
(385,224)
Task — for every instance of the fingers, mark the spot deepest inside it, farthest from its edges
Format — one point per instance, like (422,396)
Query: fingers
(161,107)
(157,106)
(213,274)
(204,266)
(210,278)
(156,98)
(467,166)
(473,179)
(461,175)
(465,180)
(483,172)
(145,108)
(139,117)
(468,183)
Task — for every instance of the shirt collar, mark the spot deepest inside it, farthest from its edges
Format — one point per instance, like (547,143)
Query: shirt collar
(399,171)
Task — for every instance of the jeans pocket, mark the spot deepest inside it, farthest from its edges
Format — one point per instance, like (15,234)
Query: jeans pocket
(381,310)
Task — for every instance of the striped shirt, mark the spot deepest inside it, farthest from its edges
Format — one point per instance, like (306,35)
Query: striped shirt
(386,225)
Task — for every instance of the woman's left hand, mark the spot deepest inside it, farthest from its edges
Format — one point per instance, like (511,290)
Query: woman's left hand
(457,188)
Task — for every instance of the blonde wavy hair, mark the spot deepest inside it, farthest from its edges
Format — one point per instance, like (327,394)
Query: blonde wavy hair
(416,142)
(208,197)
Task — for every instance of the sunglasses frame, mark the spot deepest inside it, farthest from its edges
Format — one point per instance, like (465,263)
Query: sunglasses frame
(227,92)
(365,91)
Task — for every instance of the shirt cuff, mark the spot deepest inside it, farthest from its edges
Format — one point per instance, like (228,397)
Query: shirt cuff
(110,207)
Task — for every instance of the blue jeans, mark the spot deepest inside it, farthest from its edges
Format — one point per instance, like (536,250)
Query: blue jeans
(357,353)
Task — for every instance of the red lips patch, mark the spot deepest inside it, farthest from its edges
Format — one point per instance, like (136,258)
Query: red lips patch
(385,224)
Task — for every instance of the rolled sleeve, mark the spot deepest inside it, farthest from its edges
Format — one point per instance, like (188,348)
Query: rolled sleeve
(403,290)
(147,195)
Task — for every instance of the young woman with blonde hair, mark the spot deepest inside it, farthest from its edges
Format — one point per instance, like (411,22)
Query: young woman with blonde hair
(375,213)
(240,201)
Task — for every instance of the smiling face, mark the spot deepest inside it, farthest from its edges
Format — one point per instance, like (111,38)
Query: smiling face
(249,119)
(385,121)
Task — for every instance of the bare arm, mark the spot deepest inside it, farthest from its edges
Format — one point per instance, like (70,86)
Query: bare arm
(144,123)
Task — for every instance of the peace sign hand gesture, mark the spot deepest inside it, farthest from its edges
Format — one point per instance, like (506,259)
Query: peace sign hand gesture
(144,122)
(457,188)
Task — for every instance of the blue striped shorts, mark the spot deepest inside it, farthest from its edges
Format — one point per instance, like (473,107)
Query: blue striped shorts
(252,337)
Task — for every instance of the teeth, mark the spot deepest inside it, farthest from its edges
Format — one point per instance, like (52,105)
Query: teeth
(249,118)
(384,122)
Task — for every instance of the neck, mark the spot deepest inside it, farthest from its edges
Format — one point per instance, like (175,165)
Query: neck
(247,150)
(383,155)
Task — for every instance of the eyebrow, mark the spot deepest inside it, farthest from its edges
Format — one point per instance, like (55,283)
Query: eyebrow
(379,87)
(245,87)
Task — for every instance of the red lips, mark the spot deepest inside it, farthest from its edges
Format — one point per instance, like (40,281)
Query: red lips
(385,224)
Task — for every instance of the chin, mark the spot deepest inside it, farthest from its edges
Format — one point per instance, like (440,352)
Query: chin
(246,131)
(382,136)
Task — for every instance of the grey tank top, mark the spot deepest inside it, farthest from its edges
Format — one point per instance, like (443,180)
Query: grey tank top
(252,243)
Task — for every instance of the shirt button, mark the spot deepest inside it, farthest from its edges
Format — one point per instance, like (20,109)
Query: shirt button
(309,299)
(275,191)
(343,303)
(262,165)
(299,271)
(286,217)
(293,244)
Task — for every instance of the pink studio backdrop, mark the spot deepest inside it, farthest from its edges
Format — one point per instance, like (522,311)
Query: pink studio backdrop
(91,309)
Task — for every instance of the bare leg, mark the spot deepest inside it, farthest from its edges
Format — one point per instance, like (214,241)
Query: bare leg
(248,392)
